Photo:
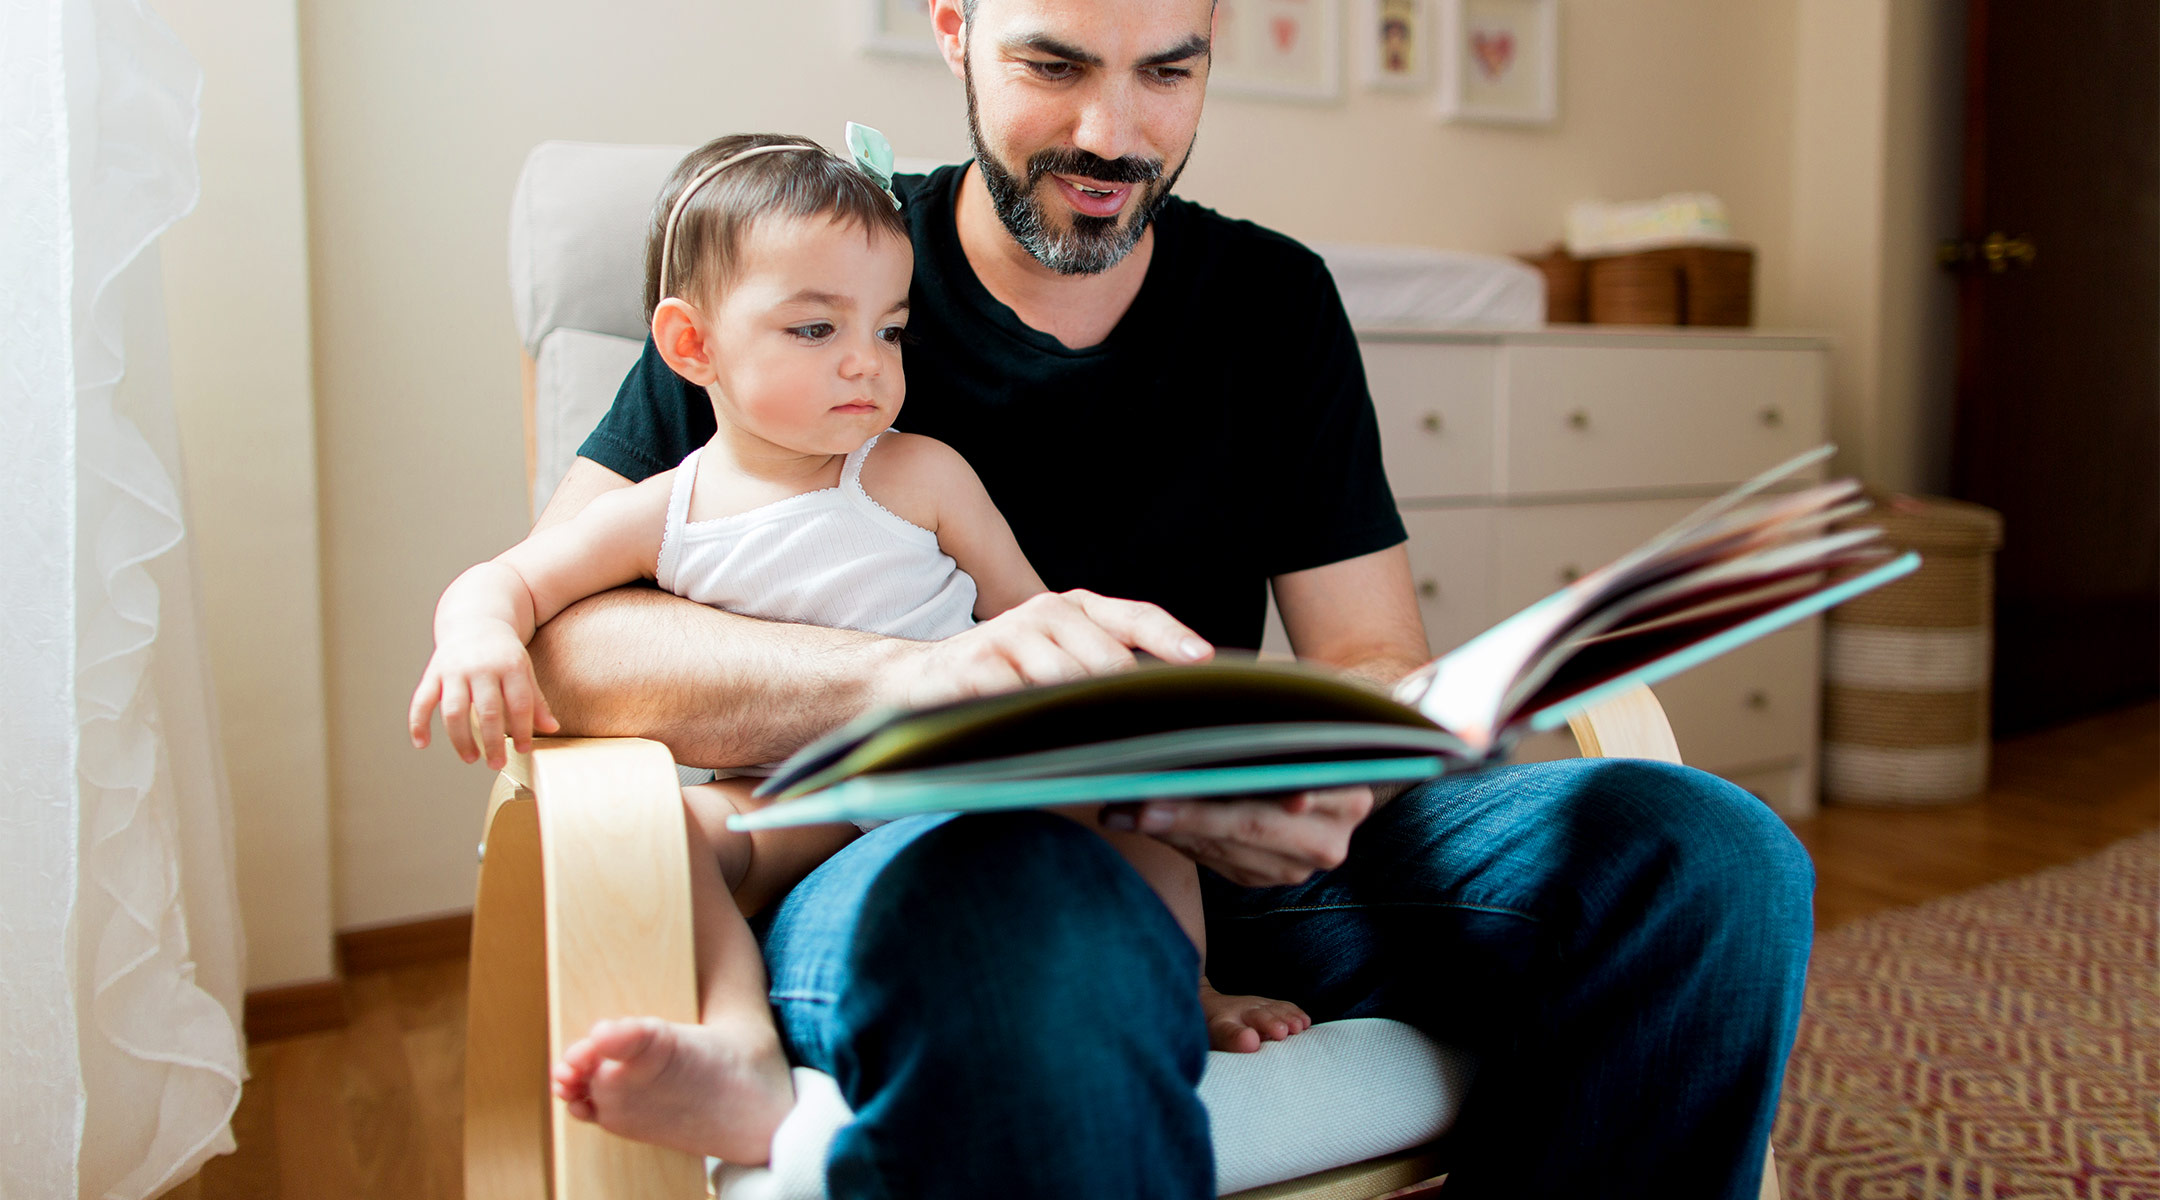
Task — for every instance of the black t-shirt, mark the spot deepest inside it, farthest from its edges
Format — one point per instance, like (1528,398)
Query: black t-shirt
(1222,434)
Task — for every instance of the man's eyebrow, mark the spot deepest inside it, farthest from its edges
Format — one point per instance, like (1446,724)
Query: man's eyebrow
(1043,43)
(1192,47)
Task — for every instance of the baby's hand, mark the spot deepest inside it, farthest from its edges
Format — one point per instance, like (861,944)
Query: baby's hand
(481,676)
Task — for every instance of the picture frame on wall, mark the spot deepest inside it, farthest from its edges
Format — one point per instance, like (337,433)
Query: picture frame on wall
(1277,49)
(1393,41)
(900,28)
(1499,61)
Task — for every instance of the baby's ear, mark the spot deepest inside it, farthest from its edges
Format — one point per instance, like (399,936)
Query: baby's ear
(679,334)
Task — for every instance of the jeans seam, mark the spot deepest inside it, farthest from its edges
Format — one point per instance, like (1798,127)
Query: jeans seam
(805,997)
(1500,909)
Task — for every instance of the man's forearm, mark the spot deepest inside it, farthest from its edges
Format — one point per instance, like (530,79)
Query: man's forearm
(719,689)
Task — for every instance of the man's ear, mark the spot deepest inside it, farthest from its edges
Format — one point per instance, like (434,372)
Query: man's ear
(950,27)
(676,333)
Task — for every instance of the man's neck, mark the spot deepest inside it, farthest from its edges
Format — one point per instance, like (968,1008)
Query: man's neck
(1078,310)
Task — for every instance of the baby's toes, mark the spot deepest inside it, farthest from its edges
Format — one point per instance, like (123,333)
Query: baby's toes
(1233,1035)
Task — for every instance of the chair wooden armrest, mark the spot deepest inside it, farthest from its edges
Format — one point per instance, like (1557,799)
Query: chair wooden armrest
(583,913)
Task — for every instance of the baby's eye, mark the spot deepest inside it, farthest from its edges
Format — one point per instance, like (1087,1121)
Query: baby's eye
(893,334)
(815,331)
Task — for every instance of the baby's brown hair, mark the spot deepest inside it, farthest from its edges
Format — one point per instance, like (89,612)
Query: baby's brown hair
(708,233)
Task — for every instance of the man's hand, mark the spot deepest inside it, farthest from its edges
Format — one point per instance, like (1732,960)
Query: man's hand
(1050,638)
(483,679)
(1261,842)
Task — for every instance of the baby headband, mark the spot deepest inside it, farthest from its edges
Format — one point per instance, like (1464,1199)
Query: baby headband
(873,157)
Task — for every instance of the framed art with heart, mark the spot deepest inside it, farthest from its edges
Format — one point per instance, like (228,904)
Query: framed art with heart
(1277,49)
(1500,61)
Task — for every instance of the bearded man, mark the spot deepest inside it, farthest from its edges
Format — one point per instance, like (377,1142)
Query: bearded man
(1168,406)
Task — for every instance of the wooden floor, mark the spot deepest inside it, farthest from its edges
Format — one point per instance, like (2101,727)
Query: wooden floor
(373,1111)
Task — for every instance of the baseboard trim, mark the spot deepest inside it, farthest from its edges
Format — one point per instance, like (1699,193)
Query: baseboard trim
(283,1012)
(408,943)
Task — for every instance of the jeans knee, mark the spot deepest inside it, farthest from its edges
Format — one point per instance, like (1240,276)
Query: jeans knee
(1707,841)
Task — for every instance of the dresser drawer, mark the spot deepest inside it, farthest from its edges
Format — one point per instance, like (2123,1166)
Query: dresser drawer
(1539,549)
(1757,704)
(1435,404)
(1598,419)
(1450,561)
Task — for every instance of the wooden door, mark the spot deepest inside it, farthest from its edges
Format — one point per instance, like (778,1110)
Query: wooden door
(2058,412)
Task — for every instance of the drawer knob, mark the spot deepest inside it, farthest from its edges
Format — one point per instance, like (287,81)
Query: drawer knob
(1758,699)
(1429,588)
(1578,419)
(1431,422)
(1772,418)
(1570,573)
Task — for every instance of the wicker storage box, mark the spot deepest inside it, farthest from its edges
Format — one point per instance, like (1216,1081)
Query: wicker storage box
(1685,285)
(1906,667)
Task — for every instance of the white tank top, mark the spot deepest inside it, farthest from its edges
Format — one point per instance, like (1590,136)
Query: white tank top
(833,557)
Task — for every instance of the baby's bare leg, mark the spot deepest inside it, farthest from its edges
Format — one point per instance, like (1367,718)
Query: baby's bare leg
(719,1087)
(1238,1023)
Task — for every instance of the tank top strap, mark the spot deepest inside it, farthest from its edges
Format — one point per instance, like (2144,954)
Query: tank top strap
(678,515)
(851,470)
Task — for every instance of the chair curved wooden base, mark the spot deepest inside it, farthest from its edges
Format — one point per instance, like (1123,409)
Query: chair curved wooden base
(583,913)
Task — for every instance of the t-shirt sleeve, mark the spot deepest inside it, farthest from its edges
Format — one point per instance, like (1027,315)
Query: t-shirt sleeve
(1332,496)
(658,417)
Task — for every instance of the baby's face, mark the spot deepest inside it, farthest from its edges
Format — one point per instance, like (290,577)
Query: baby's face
(807,338)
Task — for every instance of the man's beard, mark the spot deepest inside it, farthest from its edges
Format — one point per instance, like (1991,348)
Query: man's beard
(1093,244)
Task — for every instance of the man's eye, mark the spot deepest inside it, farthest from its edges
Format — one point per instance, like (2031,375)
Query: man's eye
(1052,70)
(816,331)
(1172,74)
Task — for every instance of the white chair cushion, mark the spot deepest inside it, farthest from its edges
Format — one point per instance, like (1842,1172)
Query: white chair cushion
(1339,1093)
(575,376)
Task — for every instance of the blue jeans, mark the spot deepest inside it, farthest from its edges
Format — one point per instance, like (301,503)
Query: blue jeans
(1010,1011)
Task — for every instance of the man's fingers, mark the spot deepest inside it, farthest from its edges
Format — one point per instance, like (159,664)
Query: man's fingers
(1246,866)
(1040,660)
(1144,626)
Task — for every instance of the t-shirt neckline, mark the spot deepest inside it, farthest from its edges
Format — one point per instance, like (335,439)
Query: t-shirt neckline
(952,261)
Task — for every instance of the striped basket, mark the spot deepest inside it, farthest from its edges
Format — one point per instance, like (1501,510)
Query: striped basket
(1906,667)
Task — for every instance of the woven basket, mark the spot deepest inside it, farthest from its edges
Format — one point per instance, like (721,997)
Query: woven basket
(1563,274)
(1906,667)
(1685,285)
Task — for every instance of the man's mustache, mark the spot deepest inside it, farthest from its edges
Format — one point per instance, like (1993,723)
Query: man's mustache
(1093,166)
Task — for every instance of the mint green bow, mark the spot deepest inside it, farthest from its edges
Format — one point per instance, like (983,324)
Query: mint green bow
(873,155)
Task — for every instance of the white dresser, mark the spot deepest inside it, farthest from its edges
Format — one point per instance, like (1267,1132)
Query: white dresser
(1523,459)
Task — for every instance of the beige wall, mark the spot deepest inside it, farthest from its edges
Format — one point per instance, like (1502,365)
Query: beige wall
(1874,189)
(236,283)
(419,113)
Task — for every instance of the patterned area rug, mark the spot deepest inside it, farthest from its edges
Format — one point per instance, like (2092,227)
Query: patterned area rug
(1999,1045)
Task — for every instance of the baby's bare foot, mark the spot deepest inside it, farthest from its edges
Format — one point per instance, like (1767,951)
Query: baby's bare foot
(709,1089)
(1239,1023)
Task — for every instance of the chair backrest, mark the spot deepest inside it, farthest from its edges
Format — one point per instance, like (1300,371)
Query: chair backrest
(577,282)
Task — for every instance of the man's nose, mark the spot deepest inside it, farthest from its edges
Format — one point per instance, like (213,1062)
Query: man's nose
(1108,121)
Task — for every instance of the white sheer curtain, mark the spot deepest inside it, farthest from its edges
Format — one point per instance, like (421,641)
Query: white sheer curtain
(119,940)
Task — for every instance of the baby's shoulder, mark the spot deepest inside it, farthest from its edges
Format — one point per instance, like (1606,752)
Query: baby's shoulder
(907,473)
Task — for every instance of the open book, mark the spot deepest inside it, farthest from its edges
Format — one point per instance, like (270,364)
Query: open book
(1747,564)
